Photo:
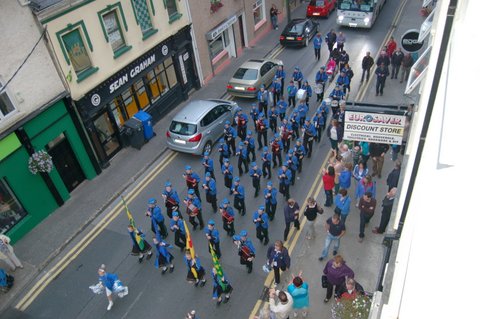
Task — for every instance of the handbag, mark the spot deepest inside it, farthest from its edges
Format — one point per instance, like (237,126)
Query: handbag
(324,281)
(338,210)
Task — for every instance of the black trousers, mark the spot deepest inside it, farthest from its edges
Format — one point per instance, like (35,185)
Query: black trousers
(276,156)
(228,227)
(256,185)
(273,125)
(228,182)
(242,132)
(212,199)
(161,228)
(251,150)
(216,248)
(194,223)
(247,263)
(231,145)
(330,290)
(308,144)
(300,163)
(296,224)
(284,189)
(271,209)
(365,72)
(286,144)
(291,100)
(262,234)
(239,204)
(317,53)
(276,272)
(180,239)
(242,161)
(261,135)
(267,169)
(262,107)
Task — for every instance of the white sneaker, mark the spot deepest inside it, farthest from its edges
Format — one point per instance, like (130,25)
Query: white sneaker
(125,291)
(110,305)
(121,295)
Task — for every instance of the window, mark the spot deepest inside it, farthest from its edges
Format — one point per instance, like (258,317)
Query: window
(246,74)
(11,211)
(171,6)
(143,16)
(219,44)
(258,11)
(113,30)
(6,105)
(76,51)
(182,128)
(209,118)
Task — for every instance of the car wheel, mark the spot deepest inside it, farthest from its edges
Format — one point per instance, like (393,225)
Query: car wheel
(207,148)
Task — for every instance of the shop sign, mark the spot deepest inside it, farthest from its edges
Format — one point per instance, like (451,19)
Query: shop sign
(133,72)
(374,127)
(222,27)
(410,41)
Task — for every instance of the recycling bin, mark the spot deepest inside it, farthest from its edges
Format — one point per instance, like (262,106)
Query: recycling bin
(146,120)
(133,131)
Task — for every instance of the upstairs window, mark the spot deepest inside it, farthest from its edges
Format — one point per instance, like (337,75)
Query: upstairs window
(6,105)
(76,51)
(113,30)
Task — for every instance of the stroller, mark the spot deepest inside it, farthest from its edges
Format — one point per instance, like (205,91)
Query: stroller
(331,69)
(6,281)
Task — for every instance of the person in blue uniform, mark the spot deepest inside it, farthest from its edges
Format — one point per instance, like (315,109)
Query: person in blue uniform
(343,60)
(337,94)
(282,107)
(192,180)
(171,199)
(227,171)
(297,76)
(230,134)
(273,118)
(276,90)
(319,123)
(246,250)
(157,221)
(292,162)
(164,259)
(280,74)
(309,133)
(207,163)
(261,126)
(136,250)
(210,187)
(308,88)
(317,45)
(255,173)
(178,228)
(228,217)
(194,209)
(266,163)
(320,79)
(221,285)
(344,81)
(286,133)
(242,121)
(238,196)
(213,237)
(278,258)
(302,112)
(270,195)
(223,151)
(277,147)
(196,273)
(284,177)
(295,123)
(250,143)
(260,219)
(254,114)
(111,284)
(291,93)
(242,153)
(263,99)
(299,152)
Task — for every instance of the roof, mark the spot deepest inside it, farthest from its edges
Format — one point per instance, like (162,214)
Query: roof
(39,5)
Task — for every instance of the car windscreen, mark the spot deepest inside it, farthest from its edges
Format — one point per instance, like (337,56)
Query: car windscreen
(296,28)
(354,5)
(183,128)
(246,74)
(317,3)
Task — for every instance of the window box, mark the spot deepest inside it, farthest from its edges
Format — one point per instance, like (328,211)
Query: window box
(149,33)
(86,73)
(174,17)
(121,51)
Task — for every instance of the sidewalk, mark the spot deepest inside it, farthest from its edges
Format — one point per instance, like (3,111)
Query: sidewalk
(42,245)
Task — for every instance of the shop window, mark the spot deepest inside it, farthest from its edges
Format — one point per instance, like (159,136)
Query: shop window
(115,107)
(258,11)
(141,94)
(219,44)
(129,102)
(113,30)
(144,20)
(171,6)
(11,211)
(172,77)
(6,105)
(76,51)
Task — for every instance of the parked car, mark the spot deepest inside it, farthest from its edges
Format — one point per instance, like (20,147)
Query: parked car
(199,125)
(298,32)
(320,8)
(251,75)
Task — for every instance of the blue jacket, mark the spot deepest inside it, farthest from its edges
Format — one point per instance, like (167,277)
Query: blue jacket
(299,150)
(195,201)
(179,223)
(108,280)
(292,162)
(272,115)
(254,113)
(297,75)
(156,214)
(282,106)
(162,249)
(292,90)
(280,144)
(272,199)
(173,194)
(223,150)
(288,176)
(344,204)
(249,244)
(343,80)
(337,94)
(212,187)
(229,210)
(241,191)
(280,257)
(323,109)
(243,152)
(216,279)
(262,96)
(307,88)
(243,117)
(213,233)
(362,189)
(198,266)
(264,220)
(277,86)
(209,163)
(321,77)
(359,175)
(266,157)
(317,42)
(229,174)
(251,142)
(345,179)
(230,131)
(302,110)
(294,120)
(280,74)
(318,120)
(258,171)
(310,129)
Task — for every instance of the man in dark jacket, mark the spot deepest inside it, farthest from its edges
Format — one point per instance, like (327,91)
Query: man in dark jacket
(367,64)
(377,154)
(387,205)
(407,64)
(397,59)
(367,207)
(292,214)
(331,39)
(381,72)
(394,176)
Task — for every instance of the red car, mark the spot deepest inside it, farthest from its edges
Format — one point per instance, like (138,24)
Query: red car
(320,8)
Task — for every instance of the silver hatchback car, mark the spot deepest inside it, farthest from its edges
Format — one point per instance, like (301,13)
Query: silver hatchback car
(199,125)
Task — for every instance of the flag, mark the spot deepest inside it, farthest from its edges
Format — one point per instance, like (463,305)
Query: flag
(138,238)
(190,248)
(218,267)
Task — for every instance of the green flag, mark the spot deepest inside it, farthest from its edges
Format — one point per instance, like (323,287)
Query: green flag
(131,221)
(217,266)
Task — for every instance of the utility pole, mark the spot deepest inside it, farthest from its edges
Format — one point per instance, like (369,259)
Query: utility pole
(289,14)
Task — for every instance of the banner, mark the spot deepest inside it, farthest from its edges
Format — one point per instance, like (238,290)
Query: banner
(374,127)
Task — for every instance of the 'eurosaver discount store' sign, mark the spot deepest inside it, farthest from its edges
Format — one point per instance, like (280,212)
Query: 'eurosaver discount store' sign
(374,127)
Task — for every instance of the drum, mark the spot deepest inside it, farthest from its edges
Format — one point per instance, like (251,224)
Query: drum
(301,94)
(328,101)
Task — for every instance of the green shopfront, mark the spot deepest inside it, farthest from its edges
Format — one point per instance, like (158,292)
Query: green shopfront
(26,198)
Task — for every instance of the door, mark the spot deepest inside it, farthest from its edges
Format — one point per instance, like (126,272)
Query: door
(65,162)
(242,31)
(107,134)
(187,69)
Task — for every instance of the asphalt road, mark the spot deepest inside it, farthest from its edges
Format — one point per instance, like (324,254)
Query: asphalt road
(170,296)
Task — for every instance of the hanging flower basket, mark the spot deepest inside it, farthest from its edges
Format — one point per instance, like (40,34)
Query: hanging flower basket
(358,308)
(40,161)
(215,5)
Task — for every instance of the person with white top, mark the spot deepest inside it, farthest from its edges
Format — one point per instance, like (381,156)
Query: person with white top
(283,307)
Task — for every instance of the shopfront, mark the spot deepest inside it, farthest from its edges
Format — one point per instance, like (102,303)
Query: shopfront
(154,82)
(221,42)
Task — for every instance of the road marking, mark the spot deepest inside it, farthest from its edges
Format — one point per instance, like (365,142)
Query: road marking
(277,52)
(294,235)
(50,275)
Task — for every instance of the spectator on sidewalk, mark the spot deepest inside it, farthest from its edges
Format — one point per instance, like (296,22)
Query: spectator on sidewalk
(360,171)
(377,152)
(7,254)
(278,258)
(366,184)
(367,207)
(407,64)
(394,176)
(298,289)
(383,58)
(349,290)
(335,230)
(387,205)
(292,214)
(335,134)
(311,211)
(345,178)
(274,16)
(382,73)
(367,63)
(342,204)
(282,308)
(328,185)
(397,59)
(391,46)
(336,271)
